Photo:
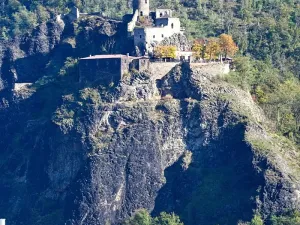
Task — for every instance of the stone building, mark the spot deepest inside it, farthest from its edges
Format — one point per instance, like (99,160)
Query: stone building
(148,27)
(109,69)
(142,6)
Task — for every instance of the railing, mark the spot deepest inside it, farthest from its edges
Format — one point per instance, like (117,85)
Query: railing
(211,61)
(164,60)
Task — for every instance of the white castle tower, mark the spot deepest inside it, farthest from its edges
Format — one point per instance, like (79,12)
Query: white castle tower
(142,6)
(2,221)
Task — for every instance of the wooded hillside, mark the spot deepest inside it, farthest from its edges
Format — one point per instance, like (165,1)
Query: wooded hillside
(267,34)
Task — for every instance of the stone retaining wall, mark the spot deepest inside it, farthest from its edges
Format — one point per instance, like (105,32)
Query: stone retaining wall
(211,69)
(160,69)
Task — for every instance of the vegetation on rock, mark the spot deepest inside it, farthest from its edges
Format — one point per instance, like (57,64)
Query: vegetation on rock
(142,217)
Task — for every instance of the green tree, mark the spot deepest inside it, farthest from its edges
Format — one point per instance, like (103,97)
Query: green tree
(167,219)
(24,21)
(141,217)
(292,218)
(257,220)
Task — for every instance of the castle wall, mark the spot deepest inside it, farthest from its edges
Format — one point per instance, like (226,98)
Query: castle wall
(163,13)
(143,37)
(141,64)
(142,6)
(131,24)
(108,69)
(160,69)
(139,37)
(103,71)
(173,24)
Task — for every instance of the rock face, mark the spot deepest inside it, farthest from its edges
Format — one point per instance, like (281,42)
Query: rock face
(179,40)
(44,51)
(186,143)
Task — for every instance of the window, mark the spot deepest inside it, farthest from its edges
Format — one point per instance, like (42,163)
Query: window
(140,36)
(146,1)
(162,35)
(172,25)
(153,36)
(141,13)
(161,14)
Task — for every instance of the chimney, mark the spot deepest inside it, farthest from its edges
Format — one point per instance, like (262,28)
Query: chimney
(2,221)
(127,54)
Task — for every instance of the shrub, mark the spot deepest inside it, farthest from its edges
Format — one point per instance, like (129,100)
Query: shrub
(257,220)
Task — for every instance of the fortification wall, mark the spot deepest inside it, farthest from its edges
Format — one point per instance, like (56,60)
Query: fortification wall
(210,70)
(104,71)
(142,6)
(131,24)
(163,13)
(151,35)
(160,69)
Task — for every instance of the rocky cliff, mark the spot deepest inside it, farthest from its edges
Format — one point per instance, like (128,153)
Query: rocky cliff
(29,57)
(187,143)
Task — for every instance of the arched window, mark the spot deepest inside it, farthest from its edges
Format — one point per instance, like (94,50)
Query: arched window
(172,25)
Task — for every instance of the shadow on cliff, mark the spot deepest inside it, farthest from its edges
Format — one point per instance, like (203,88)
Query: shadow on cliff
(220,185)
(29,140)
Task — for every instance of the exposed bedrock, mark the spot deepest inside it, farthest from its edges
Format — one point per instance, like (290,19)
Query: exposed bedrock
(186,143)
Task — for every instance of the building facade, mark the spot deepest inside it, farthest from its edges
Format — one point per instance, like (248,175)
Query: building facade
(109,69)
(159,25)
(143,7)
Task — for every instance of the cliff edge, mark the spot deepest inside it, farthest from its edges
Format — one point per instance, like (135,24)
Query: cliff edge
(187,143)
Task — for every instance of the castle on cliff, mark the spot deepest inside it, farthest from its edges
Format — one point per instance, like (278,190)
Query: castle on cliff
(149,28)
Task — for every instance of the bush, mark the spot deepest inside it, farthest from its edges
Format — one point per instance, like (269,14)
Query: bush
(292,218)
(142,217)
(257,220)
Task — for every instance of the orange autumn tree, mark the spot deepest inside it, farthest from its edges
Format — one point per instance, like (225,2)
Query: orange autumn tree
(228,46)
(165,52)
(213,48)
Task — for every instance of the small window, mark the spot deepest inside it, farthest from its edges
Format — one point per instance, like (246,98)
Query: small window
(140,36)
(153,36)
(162,35)
(172,25)
(141,13)
(161,14)
(146,1)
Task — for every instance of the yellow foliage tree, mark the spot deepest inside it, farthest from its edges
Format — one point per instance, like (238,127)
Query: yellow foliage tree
(212,48)
(198,49)
(165,52)
(228,46)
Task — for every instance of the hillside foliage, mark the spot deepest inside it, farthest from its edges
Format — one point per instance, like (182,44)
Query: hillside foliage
(267,35)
